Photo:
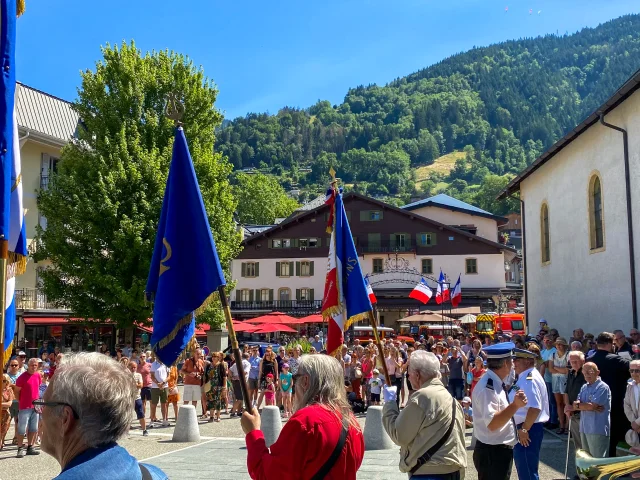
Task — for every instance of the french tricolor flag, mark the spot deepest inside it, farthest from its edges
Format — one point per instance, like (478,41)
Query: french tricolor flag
(372,296)
(442,292)
(421,292)
(456,297)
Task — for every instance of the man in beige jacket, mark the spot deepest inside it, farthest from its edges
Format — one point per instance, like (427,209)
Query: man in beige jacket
(425,421)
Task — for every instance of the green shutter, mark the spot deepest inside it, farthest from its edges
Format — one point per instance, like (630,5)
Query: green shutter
(298,295)
(297,269)
(311,268)
(277,269)
(433,239)
(258,297)
(392,241)
(311,294)
(244,270)
(295,242)
(349,215)
(373,240)
(251,295)
(238,295)
(319,242)
(257,269)
(271,294)
(407,240)
(364,215)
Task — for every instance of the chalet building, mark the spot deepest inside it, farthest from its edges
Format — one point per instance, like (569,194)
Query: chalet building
(580,203)
(284,267)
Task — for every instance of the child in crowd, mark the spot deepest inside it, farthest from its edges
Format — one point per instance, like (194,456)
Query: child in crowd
(270,391)
(376,387)
(285,387)
(468,412)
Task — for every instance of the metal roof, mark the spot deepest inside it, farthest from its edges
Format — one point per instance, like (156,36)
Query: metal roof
(624,92)
(445,201)
(45,114)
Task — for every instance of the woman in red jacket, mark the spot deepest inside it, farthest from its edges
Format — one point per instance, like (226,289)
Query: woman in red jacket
(321,425)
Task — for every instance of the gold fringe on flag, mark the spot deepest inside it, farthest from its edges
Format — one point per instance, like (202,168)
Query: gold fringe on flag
(20,7)
(184,321)
(16,264)
(8,353)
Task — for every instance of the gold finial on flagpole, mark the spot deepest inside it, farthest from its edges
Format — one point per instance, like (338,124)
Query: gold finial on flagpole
(332,172)
(174,109)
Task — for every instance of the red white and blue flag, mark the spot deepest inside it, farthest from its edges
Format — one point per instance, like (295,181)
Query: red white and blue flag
(456,296)
(421,292)
(442,292)
(345,294)
(372,296)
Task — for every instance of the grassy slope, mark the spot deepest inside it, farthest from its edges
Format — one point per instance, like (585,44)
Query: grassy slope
(444,164)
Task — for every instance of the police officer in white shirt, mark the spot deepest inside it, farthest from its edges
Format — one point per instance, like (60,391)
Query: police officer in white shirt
(530,418)
(493,424)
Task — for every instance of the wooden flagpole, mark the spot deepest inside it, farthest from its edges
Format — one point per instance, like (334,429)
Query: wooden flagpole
(373,322)
(237,355)
(4,258)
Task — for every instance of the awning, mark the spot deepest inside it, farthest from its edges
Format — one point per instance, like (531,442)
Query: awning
(45,320)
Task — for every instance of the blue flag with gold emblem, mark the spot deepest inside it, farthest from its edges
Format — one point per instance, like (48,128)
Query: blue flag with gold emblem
(185,270)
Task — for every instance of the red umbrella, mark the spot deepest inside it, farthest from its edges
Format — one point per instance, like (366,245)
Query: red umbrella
(315,318)
(273,327)
(244,327)
(274,317)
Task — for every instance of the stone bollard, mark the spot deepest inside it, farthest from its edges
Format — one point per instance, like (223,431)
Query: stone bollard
(187,429)
(375,436)
(271,424)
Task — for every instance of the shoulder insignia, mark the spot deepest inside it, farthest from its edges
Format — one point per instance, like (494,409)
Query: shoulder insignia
(530,376)
(490,383)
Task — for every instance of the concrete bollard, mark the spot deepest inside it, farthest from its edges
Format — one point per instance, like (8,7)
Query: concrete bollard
(375,436)
(187,429)
(271,424)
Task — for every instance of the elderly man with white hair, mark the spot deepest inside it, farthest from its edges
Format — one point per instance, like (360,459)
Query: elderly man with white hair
(430,429)
(85,410)
(631,402)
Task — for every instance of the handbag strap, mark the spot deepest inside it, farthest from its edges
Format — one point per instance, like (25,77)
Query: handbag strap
(429,453)
(328,465)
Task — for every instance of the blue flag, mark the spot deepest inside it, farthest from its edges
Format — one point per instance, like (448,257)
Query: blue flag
(346,299)
(185,270)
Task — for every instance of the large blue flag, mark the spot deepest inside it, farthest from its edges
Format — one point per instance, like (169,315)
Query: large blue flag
(346,299)
(185,270)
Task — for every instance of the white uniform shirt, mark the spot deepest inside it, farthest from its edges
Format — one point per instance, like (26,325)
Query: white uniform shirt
(488,399)
(161,373)
(532,384)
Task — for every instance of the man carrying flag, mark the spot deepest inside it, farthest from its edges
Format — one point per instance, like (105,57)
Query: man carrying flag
(345,294)
(442,292)
(456,297)
(421,292)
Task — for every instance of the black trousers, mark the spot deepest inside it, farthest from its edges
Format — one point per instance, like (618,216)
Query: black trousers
(493,462)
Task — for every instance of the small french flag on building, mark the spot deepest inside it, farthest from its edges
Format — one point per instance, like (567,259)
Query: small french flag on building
(421,292)
(372,296)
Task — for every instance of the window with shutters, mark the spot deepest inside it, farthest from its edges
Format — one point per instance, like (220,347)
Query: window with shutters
(284,294)
(377,265)
(305,294)
(286,243)
(245,295)
(276,243)
(306,268)
(314,242)
(545,248)
(471,266)
(400,240)
(303,242)
(426,239)
(250,269)
(427,266)
(375,215)
(284,269)
(596,215)
(264,295)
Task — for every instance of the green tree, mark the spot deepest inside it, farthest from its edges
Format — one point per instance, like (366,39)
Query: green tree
(486,196)
(103,204)
(261,199)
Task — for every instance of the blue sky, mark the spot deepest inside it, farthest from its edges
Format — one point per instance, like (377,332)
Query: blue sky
(267,54)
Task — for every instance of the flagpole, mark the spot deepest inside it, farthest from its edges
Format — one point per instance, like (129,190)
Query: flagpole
(376,337)
(237,355)
(4,257)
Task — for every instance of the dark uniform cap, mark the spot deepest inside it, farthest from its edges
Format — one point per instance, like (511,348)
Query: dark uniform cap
(500,350)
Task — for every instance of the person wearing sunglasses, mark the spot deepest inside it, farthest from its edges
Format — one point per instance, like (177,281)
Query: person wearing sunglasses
(85,411)
(14,372)
(336,447)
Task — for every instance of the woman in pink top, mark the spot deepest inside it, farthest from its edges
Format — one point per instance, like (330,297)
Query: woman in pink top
(368,364)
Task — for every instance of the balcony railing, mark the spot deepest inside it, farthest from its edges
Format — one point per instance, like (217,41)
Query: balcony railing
(34,299)
(44,182)
(381,248)
(284,306)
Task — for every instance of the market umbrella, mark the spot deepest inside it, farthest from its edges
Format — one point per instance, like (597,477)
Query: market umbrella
(273,327)
(423,317)
(244,327)
(274,317)
(468,318)
(315,318)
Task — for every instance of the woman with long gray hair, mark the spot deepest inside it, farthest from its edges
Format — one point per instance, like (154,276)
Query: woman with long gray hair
(321,440)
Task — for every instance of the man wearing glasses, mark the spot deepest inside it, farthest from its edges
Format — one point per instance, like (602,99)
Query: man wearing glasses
(27,389)
(22,358)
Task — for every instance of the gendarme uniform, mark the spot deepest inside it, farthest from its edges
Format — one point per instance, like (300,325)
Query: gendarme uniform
(493,453)
(532,384)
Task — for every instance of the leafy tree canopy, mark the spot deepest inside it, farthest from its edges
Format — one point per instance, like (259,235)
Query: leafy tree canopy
(261,199)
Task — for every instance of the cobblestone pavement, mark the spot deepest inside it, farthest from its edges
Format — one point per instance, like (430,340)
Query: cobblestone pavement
(221,454)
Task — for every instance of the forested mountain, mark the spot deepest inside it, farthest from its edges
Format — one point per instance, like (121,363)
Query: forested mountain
(501,105)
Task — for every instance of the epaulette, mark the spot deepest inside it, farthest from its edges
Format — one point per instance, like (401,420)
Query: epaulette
(530,376)
(490,383)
